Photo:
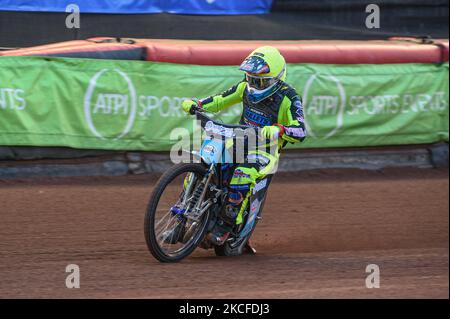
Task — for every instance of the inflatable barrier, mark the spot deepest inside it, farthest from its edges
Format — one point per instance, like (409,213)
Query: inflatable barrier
(324,52)
(228,52)
(85,49)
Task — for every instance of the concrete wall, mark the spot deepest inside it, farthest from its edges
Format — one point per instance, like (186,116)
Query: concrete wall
(62,162)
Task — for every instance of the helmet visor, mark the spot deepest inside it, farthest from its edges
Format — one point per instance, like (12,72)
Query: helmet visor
(255,65)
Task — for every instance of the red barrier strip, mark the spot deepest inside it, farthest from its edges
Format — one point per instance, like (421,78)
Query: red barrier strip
(230,52)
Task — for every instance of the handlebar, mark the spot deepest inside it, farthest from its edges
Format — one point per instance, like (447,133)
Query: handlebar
(227,130)
(194,109)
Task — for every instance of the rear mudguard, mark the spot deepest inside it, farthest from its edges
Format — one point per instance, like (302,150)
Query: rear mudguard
(256,204)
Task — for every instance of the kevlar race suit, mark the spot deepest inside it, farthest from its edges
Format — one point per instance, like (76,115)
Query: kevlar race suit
(284,109)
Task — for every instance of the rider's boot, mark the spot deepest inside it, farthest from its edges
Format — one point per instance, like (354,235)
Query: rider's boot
(248,249)
(227,220)
(224,226)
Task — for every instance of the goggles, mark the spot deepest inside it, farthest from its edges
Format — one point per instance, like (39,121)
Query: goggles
(262,82)
(259,82)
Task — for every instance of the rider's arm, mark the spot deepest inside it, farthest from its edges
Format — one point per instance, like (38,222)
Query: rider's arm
(291,119)
(221,101)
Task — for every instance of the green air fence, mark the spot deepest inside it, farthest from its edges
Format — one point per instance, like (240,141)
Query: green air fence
(134,105)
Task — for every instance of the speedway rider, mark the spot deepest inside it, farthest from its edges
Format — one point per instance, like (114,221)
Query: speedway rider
(268,102)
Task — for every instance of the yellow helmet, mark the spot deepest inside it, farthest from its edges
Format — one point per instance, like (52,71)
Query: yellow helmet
(264,69)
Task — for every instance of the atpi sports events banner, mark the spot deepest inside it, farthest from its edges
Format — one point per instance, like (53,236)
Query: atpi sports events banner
(135,105)
(212,7)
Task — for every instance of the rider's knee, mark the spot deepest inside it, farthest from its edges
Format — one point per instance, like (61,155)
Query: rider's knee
(236,196)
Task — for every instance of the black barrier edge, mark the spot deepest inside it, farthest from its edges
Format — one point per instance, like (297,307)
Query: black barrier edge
(19,29)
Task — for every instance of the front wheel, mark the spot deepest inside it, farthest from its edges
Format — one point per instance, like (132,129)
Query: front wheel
(172,231)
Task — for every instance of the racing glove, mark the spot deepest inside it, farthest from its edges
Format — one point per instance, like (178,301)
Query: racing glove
(188,106)
(272,132)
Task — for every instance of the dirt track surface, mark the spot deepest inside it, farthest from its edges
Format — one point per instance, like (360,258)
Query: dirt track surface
(319,232)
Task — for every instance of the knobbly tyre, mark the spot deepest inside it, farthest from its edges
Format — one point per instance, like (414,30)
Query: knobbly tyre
(178,221)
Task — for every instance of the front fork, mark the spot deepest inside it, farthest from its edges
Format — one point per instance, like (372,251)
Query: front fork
(196,206)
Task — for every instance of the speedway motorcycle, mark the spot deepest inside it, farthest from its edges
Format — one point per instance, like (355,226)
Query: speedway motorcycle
(188,199)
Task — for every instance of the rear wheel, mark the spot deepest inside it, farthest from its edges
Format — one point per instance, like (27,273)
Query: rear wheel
(171,230)
(235,247)
(239,246)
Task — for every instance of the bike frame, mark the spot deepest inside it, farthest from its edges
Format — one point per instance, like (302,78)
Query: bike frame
(214,154)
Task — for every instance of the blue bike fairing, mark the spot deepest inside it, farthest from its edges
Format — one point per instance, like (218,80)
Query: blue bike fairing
(212,151)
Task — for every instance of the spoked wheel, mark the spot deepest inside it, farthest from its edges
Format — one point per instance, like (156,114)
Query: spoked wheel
(172,226)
